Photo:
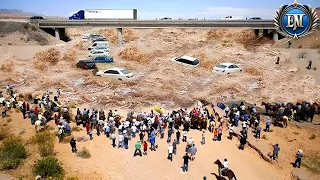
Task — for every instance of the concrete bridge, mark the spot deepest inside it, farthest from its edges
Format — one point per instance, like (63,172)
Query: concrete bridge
(267,26)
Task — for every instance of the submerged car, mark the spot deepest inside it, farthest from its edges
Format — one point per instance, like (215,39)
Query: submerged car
(95,53)
(226,68)
(116,73)
(186,60)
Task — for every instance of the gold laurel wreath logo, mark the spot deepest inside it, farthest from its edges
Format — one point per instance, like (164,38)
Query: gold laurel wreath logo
(313,21)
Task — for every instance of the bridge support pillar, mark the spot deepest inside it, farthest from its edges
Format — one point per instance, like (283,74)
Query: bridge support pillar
(57,33)
(265,32)
(119,30)
(275,36)
(256,32)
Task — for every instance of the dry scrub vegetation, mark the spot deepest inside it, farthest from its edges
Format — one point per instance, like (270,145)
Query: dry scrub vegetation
(44,58)
(252,71)
(110,34)
(133,53)
(80,46)
(70,55)
(7,66)
(129,35)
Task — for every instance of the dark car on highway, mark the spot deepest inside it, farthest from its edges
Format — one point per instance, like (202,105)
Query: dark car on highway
(91,63)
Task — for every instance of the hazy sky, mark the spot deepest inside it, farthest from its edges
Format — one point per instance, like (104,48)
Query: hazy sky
(150,9)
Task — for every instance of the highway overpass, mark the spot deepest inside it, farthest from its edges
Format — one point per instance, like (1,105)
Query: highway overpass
(252,24)
(58,26)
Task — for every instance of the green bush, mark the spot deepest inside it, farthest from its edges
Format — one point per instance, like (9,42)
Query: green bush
(45,141)
(49,167)
(312,162)
(12,153)
(84,153)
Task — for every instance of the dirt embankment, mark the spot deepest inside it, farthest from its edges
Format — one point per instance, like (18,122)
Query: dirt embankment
(18,33)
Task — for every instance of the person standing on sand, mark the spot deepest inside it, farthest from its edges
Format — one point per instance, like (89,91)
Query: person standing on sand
(299,156)
(120,140)
(309,65)
(268,123)
(126,141)
(185,134)
(145,148)
(73,145)
(185,162)
(219,134)
(90,134)
(113,137)
(275,153)
(203,138)
(174,144)
(178,136)
(137,151)
(193,151)
(243,141)
(170,151)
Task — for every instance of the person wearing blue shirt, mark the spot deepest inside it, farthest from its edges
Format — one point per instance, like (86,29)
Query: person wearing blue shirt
(245,117)
(268,123)
(236,120)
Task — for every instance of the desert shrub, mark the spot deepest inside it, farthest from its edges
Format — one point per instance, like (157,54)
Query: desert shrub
(76,128)
(84,153)
(312,162)
(129,35)
(49,167)
(313,136)
(252,71)
(51,55)
(80,46)
(66,138)
(45,142)
(70,55)
(7,66)
(4,132)
(110,34)
(133,53)
(12,153)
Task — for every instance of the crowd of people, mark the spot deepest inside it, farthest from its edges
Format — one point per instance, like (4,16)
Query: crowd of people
(149,127)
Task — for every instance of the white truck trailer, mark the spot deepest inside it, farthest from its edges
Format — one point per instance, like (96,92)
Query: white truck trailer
(105,14)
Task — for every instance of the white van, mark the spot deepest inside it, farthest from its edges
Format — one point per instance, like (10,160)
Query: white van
(98,44)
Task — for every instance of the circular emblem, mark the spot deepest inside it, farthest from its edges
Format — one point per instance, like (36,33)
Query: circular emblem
(295,20)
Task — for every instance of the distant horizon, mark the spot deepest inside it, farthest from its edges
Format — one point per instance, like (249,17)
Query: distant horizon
(185,9)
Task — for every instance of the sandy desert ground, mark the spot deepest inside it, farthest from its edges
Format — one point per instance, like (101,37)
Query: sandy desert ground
(160,82)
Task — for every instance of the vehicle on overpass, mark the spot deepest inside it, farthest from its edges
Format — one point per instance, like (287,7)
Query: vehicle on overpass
(226,68)
(255,18)
(91,63)
(187,61)
(232,18)
(105,14)
(166,18)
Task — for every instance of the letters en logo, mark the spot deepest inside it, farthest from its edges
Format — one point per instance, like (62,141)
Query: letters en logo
(295,20)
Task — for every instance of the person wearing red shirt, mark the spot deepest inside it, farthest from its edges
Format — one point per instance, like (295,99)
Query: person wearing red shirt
(87,127)
(145,148)
(36,111)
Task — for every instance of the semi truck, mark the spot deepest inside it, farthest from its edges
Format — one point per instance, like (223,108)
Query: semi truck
(105,14)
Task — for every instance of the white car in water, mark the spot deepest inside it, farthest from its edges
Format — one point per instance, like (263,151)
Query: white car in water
(116,73)
(187,61)
(226,68)
(96,53)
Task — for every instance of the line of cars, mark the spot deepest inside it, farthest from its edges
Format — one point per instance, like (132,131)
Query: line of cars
(226,68)
(99,52)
